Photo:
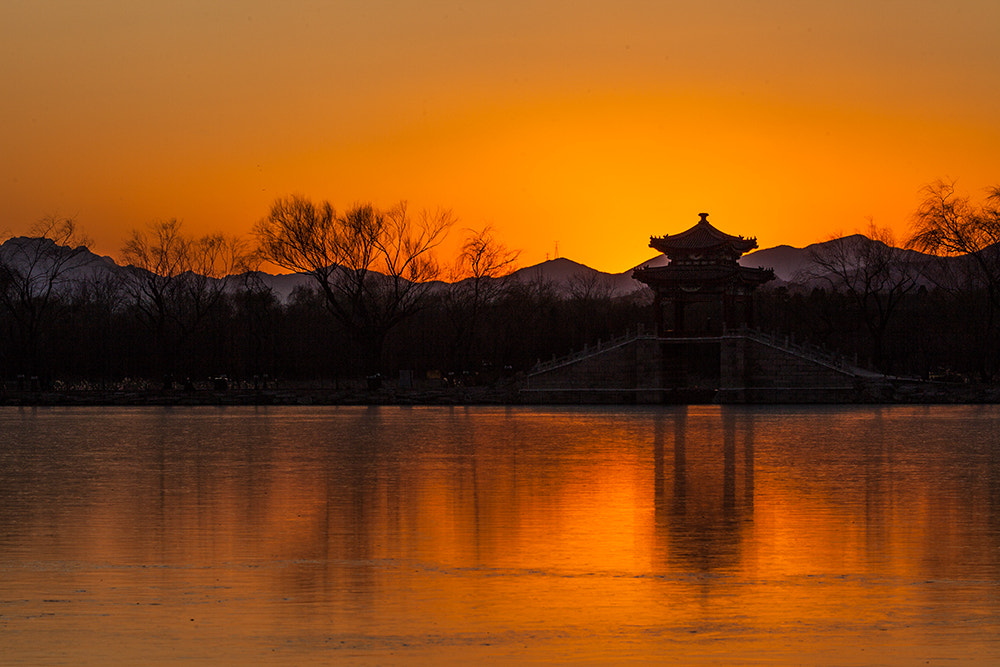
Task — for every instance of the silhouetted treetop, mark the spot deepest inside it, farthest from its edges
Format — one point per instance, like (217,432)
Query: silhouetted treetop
(371,265)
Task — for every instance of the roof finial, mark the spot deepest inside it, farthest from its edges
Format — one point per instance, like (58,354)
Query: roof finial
(704,218)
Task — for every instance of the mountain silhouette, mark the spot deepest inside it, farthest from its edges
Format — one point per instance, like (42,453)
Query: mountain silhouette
(565,276)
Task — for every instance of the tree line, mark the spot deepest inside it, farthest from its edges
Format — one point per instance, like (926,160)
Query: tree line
(930,308)
(381,299)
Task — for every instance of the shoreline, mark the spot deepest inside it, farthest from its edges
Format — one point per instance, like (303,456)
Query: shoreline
(262,397)
(897,393)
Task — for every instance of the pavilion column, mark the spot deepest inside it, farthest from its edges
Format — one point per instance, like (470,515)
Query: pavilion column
(678,314)
(658,312)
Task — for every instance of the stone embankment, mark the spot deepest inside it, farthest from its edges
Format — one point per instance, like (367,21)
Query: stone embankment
(302,395)
(890,391)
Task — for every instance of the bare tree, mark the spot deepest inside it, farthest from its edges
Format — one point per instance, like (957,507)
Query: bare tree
(950,225)
(98,301)
(484,257)
(371,265)
(175,280)
(873,273)
(35,272)
(478,279)
(590,287)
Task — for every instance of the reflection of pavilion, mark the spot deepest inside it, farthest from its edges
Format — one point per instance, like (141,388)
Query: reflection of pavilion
(700,518)
(709,290)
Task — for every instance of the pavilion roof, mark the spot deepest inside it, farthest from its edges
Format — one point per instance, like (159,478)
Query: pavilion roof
(685,275)
(703,236)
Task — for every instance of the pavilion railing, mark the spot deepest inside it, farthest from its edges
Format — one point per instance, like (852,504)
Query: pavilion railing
(786,343)
(591,350)
(806,350)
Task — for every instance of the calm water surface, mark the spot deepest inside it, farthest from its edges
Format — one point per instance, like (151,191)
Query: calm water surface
(702,535)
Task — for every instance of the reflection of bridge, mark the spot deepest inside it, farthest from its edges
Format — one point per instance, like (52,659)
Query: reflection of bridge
(734,367)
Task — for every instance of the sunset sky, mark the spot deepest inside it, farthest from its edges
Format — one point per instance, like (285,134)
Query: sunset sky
(585,125)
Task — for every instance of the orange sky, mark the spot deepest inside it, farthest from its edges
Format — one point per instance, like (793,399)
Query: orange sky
(589,124)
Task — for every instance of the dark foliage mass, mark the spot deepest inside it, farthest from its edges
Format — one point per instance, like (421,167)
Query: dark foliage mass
(929,309)
(179,308)
(102,332)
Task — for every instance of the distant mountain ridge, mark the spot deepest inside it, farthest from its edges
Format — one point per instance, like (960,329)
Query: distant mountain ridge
(566,276)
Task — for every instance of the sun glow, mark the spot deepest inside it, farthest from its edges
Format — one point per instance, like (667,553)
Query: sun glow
(589,129)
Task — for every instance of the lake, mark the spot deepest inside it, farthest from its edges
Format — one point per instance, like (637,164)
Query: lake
(407,535)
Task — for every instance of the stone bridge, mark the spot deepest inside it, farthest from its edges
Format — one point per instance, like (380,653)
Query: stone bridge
(739,367)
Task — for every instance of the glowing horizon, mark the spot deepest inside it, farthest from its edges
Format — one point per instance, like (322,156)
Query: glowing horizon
(588,126)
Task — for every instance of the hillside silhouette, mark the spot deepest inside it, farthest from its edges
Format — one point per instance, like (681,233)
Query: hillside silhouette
(71,317)
(788,262)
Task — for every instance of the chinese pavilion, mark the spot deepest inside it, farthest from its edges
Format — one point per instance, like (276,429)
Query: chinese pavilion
(709,290)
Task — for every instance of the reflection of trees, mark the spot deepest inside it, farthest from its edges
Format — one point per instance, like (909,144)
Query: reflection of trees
(701,526)
(878,459)
(374,513)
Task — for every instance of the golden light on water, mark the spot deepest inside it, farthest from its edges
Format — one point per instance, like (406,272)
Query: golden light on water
(435,534)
